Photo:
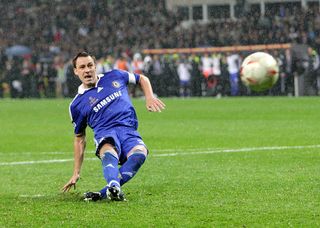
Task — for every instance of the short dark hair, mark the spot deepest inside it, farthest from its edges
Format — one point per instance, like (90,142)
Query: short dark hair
(81,54)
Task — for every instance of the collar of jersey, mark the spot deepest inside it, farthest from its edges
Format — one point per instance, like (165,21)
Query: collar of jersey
(82,90)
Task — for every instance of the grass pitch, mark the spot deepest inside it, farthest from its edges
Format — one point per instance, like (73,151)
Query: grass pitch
(252,162)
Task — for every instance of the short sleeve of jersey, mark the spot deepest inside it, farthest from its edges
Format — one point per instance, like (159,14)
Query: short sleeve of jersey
(130,77)
(78,120)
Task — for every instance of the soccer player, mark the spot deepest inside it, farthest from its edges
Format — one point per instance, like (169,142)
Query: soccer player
(104,104)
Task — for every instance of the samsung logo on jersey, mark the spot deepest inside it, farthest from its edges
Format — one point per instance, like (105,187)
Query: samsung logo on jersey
(107,100)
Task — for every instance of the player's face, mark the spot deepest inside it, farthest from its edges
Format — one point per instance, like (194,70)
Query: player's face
(86,71)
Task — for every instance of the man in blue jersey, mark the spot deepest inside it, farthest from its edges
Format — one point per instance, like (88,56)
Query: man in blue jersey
(103,103)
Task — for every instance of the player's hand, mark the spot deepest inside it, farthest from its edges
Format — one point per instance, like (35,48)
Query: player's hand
(71,182)
(154,104)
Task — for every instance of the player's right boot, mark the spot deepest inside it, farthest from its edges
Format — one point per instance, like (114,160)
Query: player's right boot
(92,196)
(115,193)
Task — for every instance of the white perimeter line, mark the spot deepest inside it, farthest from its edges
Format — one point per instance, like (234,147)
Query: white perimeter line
(193,152)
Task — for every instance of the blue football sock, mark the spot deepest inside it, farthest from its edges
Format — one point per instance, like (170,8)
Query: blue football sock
(110,169)
(131,167)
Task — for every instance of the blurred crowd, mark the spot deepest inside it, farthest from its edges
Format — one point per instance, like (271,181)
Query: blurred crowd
(116,32)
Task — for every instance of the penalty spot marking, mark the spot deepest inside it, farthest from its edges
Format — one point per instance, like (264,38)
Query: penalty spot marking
(192,152)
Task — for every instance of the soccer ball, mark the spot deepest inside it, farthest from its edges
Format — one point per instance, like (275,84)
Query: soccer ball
(259,71)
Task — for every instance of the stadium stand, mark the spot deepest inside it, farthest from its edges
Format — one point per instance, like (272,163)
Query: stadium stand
(52,31)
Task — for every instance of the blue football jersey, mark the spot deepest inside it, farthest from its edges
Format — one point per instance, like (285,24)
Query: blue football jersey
(105,106)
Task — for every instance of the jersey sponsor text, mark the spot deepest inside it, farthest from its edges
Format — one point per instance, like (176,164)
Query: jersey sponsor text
(107,100)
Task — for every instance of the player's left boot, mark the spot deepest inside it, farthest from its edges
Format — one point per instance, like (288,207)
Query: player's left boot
(115,193)
(92,196)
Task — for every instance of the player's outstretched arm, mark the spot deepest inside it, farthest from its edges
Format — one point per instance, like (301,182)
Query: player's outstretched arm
(79,147)
(153,104)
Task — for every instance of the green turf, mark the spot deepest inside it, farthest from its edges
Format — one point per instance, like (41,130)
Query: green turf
(235,162)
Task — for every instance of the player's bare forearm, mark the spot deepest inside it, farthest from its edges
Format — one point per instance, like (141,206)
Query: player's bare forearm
(153,104)
(146,86)
(79,147)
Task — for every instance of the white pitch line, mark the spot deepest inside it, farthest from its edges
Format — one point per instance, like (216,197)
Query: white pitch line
(70,152)
(192,152)
(39,162)
(32,196)
(239,150)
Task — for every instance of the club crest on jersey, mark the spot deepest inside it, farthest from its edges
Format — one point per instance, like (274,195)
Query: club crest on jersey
(115,84)
(92,100)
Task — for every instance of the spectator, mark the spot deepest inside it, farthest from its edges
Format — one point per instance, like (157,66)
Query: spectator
(137,66)
(184,74)
(60,77)
(233,61)
(26,77)
(13,75)
(105,64)
(122,63)
(196,76)
(170,79)
(72,82)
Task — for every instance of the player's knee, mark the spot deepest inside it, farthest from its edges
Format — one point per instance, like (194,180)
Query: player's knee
(107,148)
(139,150)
